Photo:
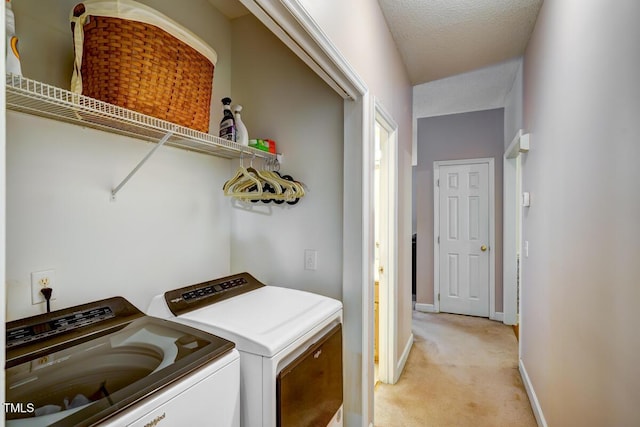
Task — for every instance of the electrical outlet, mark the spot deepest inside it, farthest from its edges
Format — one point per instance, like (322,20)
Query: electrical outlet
(310,259)
(39,280)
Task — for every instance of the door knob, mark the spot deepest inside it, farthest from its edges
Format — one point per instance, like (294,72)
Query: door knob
(483,248)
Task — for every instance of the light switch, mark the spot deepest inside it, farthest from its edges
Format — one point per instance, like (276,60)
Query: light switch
(526,199)
(310,259)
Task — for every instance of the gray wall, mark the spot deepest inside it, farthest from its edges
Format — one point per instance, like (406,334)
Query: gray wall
(488,88)
(454,137)
(580,288)
(284,101)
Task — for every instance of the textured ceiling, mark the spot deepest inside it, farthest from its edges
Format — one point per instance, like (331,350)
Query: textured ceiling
(442,38)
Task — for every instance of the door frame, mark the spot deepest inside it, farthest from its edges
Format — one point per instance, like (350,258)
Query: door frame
(512,176)
(388,332)
(295,27)
(492,232)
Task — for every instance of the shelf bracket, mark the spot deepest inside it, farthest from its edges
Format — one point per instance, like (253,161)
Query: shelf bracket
(139,165)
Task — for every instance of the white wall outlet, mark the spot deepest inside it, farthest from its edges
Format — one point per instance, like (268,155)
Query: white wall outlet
(310,259)
(39,280)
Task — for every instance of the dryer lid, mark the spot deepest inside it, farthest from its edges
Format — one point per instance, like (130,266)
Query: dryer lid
(266,320)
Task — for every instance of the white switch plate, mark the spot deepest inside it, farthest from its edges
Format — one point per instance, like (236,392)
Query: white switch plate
(310,259)
(39,280)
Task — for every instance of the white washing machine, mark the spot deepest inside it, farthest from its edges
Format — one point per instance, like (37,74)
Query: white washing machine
(290,345)
(106,363)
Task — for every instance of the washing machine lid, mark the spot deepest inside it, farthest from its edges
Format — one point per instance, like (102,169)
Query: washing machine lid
(265,320)
(83,365)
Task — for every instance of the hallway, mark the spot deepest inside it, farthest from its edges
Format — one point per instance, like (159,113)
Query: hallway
(462,371)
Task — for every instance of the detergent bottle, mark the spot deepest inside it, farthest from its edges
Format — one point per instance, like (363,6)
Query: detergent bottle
(12,55)
(228,123)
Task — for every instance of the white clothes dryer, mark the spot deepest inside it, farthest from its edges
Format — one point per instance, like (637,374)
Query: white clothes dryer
(290,345)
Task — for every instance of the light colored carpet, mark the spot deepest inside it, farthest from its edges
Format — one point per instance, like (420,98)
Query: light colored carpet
(462,371)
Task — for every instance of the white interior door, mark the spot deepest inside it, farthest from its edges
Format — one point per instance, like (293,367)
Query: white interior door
(464,238)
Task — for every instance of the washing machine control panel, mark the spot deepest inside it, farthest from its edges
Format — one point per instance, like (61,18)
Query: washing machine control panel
(213,289)
(202,294)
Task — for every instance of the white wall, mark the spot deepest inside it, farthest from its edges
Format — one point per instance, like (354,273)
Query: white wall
(580,290)
(351,26)
(482,89)
(158,234)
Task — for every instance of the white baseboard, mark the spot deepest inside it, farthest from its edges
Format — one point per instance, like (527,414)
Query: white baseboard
(425,308)
(430,308)
(533,399)
(403,358)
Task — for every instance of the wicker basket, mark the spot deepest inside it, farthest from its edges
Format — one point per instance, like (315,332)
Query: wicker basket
(141,67)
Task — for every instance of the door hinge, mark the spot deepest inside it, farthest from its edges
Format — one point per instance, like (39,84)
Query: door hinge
(438,297)
(438,183)
(438,239)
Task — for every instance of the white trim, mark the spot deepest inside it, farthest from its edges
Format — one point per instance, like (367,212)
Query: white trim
(533,398)
(328,55)
(297,29)
(498,316)
(388,327)
(519,144)
(414,140)
(509,238)
(492,239)
(436,243)
(385,118)
(367,259)
(403,359)
(510,205)
(425,308)
(492,231)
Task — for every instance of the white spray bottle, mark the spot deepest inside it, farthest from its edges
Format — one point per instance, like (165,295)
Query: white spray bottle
(241,129)
(12,55)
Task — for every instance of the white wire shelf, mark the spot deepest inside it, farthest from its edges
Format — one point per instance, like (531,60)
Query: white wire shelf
(40,99)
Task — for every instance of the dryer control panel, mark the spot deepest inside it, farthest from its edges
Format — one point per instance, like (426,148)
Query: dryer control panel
(192,297)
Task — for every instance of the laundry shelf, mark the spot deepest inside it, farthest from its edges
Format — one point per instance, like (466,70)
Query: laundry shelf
(40,99)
